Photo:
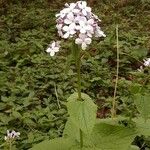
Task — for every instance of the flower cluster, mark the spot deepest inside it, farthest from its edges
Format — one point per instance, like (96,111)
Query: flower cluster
(145,64)
(12,135)
(77,20)
(53,48)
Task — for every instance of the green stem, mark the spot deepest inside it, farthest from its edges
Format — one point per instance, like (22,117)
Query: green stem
(10,145)
(78,66)
(116,82)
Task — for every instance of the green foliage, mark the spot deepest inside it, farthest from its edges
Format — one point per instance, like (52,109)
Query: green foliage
(55,144)
(113,137)
(142,126)
(143,104)
(82,113)
(121,138)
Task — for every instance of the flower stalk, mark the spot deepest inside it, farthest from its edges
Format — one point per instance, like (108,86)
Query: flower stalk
(76,54)
(117,76)
(78,66)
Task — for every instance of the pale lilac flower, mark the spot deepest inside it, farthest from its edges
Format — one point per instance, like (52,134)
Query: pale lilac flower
(12,135)
(69,30)
(53,48)
(76,20)
(85,26)
(70,9)
(70,19)
(83,40)
(83,6)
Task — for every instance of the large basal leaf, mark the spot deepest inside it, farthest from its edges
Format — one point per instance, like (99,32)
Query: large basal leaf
(143,127)
(143,104)
(71,131)
(55,144)
(112,137)
(82,113)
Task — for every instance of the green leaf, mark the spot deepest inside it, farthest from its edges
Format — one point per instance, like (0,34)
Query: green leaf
(143,127)
(55,144)
(82,113)
(112,137)
(16,114)
(71,131)
(142,103)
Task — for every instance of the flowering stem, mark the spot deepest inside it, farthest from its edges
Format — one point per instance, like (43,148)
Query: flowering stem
(116,82)
(78,67)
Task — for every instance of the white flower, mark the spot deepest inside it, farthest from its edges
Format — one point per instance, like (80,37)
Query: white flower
(69,30)
(147,62)
(53,48)
(70,9)
(70,19)
(83,40)
(12,135)
(83,6)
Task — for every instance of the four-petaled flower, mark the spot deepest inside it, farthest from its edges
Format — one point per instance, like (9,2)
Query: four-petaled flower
(53,48)
(83,6)
(83,40)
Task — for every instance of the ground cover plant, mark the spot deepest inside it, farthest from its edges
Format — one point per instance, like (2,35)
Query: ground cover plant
(34,87)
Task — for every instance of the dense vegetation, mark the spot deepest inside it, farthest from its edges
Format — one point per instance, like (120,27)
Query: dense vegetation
(34,86)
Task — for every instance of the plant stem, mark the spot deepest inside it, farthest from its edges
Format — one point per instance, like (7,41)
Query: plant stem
(78,66)
(10,145)
(116,82)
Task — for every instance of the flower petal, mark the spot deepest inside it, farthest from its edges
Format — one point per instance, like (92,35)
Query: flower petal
(84,4)
(87,40)
(83,46)
(78,41)
(84,12)
(52,53)
(53,44)
(88,9)
(48,50)
(72,32)
(90,21)
(66,28)
(66,35)
(70,16)
(72,5)
(56,49)
(67,21)
(82,30)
